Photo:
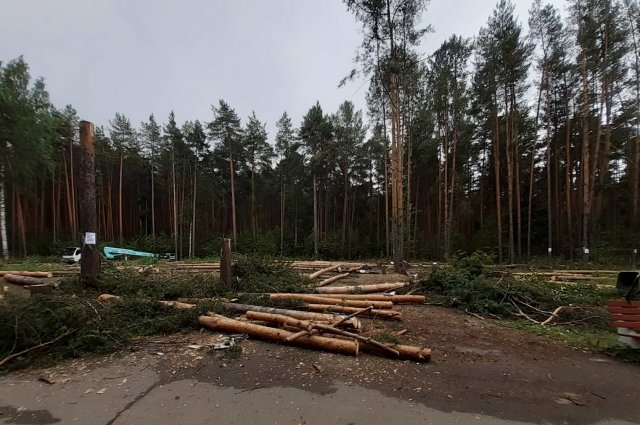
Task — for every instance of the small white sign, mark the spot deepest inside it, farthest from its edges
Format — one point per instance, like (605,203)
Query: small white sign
(635,250)
(586,250)
(89,238)
(549,250)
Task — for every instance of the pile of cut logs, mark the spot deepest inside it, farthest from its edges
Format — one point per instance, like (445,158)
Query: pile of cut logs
(330,321)
(34,282)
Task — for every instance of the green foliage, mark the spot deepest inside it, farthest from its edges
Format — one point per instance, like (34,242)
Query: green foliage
(258,273)
(467,284)
(91,326)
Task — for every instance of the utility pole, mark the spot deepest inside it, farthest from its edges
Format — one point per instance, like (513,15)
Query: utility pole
(90,260)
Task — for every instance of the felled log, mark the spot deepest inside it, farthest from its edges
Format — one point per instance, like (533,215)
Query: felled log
(332,301)
(353,323)
(323,271)
(396,299)
(373,343)
(333,279)
(178,305)
(109,297)
(385,314)
(224,324)
(221,323)
(380,287)
(23,280)
(279,319)
(26,273)
(356,268)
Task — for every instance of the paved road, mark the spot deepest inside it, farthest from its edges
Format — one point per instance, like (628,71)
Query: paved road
(120,392)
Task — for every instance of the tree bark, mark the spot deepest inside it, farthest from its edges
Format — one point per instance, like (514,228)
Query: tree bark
(225,263)
(224,324)
(364,289)
(90,262)
(3,216)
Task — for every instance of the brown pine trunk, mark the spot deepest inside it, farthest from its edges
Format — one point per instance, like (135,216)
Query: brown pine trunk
(496,164)
(233,197)
(153,206)
(120,190)
(193,210)
(254,219)
(586,177)
(21,226)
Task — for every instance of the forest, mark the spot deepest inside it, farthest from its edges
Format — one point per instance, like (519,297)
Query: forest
(521,143)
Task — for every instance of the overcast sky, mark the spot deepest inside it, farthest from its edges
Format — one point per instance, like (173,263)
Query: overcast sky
(142,57)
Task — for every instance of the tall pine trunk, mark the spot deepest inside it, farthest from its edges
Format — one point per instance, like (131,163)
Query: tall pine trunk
(120,224)
(3,215)
(233,197)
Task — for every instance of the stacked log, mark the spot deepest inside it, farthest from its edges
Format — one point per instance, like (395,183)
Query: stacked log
(353,323)
(26,273)
(314,299)
(396,299)
(364,289)
(309,340)
(23,280)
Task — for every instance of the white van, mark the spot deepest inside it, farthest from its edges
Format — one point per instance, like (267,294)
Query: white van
(71,255)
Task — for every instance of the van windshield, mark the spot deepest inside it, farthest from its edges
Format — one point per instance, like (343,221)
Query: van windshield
(69,251)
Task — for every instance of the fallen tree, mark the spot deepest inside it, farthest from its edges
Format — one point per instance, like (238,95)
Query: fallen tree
(23,280)
(353,323)
(333,279)
(26,273)
(384,314)
(323,271)
(365,289)
(396,299)
(313,299)
(342,346)
(225,324)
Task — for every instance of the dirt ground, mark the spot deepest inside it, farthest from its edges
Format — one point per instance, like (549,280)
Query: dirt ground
(480,372)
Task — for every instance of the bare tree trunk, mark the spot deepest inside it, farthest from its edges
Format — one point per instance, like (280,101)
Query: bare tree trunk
(120,225)
(254,219)
(315,218)
(3,215)
(282,205)
(586,190)
(175,203)
(444,124)
(496,164)
(153,206)
(233,198)
(386,181)
(20,219)
(74,207)
(193,211)
(54,210)
(509,155)
(345,207)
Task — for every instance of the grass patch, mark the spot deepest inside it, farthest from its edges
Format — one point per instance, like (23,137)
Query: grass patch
(386,337)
